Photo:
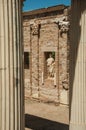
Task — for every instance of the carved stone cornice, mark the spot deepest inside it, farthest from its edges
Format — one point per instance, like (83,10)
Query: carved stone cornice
(64,26)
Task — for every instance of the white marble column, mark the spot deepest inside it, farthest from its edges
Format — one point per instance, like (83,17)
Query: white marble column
(11,83)
(78,66)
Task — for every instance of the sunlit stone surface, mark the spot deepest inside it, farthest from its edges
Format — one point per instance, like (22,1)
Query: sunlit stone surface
(11,90)
(78,66)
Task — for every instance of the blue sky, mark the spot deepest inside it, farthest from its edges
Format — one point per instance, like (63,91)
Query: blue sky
(36,4)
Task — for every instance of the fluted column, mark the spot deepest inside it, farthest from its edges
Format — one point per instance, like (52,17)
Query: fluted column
(11,83)
(78,66)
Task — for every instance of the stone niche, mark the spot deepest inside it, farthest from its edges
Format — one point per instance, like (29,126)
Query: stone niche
(46,41)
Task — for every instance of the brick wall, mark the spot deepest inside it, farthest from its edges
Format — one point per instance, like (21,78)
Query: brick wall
(42,34)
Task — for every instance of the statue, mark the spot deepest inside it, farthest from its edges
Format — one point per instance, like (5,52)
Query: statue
(50,66)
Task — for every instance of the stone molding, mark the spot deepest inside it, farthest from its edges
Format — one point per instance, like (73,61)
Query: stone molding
(64,26)
(48,49)
(35,29)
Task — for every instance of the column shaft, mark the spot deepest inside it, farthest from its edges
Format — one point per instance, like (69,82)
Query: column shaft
(11,90)
(78,66)
(35,59)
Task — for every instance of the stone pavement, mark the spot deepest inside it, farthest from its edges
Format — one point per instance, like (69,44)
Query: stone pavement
(48,92)
(43,116)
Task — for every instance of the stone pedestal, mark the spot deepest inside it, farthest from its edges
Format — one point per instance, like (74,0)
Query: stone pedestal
(11,82)
(64,96)
(78,66)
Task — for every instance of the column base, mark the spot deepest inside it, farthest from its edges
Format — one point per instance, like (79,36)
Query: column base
(77,127)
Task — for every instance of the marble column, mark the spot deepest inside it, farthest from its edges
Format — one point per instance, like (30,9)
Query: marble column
(11,82)
(78,66)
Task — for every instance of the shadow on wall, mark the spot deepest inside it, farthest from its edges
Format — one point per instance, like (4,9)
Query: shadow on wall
(38,123)
(75,34)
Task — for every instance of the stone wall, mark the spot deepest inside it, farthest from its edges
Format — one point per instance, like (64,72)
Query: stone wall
(44,34)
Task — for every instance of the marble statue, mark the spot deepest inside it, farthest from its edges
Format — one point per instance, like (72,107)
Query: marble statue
(50,66)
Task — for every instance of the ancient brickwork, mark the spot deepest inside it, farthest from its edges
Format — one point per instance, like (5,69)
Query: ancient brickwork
(45,32)
(63,73)
(48,42)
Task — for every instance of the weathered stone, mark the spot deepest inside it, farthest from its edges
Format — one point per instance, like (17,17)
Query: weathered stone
(11,76)
(41,36)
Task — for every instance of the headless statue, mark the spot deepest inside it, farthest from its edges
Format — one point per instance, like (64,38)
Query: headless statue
(50,66)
